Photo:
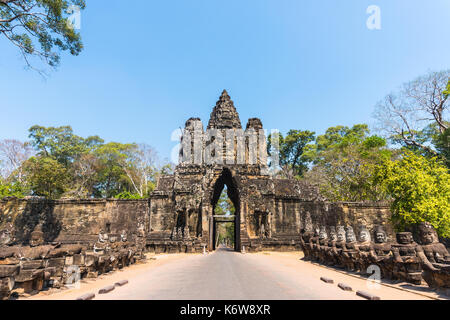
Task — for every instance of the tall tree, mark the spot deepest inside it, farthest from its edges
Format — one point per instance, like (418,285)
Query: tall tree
(291,152)
(224,205)
(140,166)
(84,173)
(13,154)
(41,28)
(112,176)
(46,177)
(415,115)
(61,144)
(345,160)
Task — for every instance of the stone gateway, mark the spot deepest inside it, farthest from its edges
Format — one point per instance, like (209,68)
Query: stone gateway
(266,209)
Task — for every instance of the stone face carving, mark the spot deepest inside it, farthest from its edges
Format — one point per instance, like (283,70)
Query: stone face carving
(404,260)
(350,252)
(331,245)
(407,263)
(323,244)
(380,253)
(339,246)
(437,254)
(428,239)
(364,246)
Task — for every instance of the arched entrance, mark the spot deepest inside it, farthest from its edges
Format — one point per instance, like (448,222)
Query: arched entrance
(225,179)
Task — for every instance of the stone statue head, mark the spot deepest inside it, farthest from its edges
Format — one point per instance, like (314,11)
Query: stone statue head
(350,234)
(405,238)
(380,235)
(427,233)
(364,234)
(308,223)
(333,234)
(323,233)
(340,230)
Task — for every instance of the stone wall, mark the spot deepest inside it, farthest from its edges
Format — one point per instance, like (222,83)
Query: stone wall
(70,221)
(81,221)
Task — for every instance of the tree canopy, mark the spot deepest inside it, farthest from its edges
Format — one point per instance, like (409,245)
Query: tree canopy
(67,165)
(344,160)
(291,151)
(416,116)
(420,189)
(41,28)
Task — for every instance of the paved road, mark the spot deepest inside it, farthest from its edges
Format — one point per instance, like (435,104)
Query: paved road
(225,274)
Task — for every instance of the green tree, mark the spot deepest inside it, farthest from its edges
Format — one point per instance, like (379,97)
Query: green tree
(224,205)
(420,189)
(345,160)
(46,177)
(442,143)
(337,137)
(225,230)
(112,178)
(291,151)
(12,190)
(128,195)
(61,144)
(41,28)
(447,91)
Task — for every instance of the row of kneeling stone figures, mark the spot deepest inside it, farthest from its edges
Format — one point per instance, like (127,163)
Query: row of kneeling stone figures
(404,260)
(29,269)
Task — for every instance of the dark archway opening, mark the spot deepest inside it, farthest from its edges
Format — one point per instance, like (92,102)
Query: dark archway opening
(223,221)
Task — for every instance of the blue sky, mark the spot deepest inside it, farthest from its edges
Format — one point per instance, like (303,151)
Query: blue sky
(148,67)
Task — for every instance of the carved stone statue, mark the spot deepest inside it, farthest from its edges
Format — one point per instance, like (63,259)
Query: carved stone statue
(380,253)
(314,244)
(323,244)
(350,252)
(435,251)
(305,238)
(339,246)
(330,258)
(438,256)
(364,245)
(408,259)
